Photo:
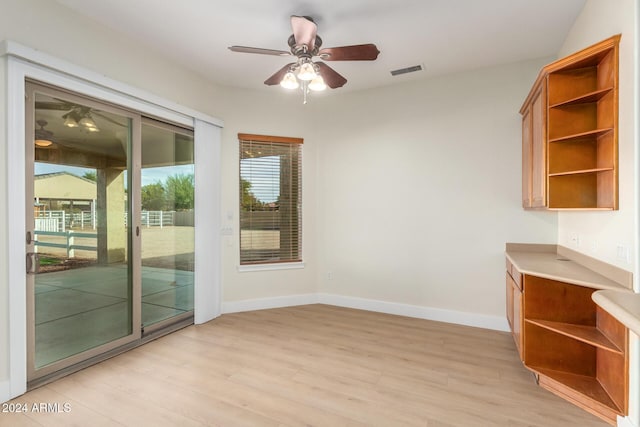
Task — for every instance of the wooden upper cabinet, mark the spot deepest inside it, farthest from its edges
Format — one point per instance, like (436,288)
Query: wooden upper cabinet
(527,164)
(534,149)
(570,132)
(538,150)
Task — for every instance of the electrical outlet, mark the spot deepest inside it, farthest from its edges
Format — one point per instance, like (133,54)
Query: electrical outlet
(575,239)
(623,253)
(329,275)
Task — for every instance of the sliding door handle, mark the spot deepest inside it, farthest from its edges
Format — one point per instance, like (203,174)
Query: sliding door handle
(33,263)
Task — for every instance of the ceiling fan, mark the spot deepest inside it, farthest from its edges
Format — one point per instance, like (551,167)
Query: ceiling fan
(305,44)
(43,138)
(76,115)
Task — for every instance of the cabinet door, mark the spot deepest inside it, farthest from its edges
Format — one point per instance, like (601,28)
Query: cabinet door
(517,318)
(526,159)
(538,150)
(510,302)
(514,312)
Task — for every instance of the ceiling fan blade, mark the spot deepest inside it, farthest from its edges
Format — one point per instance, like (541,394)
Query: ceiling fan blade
(258,50)
(360,52)
(48,105)
(330,76)
(277,77)
(304,31)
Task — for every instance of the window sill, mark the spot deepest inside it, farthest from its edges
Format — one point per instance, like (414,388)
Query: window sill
(271,267)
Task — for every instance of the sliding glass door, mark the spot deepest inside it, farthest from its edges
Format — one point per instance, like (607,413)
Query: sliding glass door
(81,251)
(107,256)
(167,200)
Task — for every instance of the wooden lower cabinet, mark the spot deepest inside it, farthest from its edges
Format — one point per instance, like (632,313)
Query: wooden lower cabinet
(577,350)
(514,309)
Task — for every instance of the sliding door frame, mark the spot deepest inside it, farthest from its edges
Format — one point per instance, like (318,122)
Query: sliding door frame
(149,330)
(134,163)
(25,63)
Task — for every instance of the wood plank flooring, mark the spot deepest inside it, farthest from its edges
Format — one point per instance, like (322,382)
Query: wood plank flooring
(308,365)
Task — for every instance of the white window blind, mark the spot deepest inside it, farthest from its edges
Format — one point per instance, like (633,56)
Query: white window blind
(270,199)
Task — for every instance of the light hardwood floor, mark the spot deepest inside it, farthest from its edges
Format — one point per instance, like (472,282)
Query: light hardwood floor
(309,365)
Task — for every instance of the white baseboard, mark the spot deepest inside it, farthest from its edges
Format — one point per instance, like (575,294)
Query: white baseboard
(5,391)
(625,422)
(271,302)
(429,313)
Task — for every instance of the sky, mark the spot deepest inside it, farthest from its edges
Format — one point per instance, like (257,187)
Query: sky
(149,175)
(264,175)
(264,184)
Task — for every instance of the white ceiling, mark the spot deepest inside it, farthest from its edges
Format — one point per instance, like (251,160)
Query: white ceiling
(445,36)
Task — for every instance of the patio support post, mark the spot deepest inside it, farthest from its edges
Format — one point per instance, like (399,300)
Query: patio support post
(112,230)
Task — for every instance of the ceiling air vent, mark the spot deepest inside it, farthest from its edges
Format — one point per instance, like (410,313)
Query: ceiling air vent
(406,70)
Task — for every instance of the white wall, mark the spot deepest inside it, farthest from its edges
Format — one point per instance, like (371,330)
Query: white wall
(4,293)
(601,232)
(266,113)
(420,187)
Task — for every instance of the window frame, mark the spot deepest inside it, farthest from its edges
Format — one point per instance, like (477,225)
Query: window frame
(271,264)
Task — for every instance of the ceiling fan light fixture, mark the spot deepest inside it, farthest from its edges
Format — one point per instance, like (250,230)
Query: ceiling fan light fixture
(88,122)
(70,122)
(42,137)
(71,119)
(289,81)
(317,84)
(307,71)
(43,143)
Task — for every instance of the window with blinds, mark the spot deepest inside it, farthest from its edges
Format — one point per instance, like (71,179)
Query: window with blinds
(270,199)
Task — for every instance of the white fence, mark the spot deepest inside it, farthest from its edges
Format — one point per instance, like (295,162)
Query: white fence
(47,224)
(61,221)
(54,221)
(157,218)
(69,237)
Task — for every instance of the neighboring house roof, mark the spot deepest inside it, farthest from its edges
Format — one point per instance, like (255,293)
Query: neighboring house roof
(64,185)
(52,174)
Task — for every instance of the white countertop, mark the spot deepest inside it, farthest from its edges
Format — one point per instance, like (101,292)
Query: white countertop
(550,265)
(624,306)
(545,261)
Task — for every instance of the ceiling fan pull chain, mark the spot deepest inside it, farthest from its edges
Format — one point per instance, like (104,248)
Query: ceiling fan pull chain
(305,91)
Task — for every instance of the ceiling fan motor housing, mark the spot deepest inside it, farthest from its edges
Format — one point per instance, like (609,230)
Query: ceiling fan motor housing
(302,49)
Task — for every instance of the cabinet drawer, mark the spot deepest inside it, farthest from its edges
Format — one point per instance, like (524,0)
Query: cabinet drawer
(517,277)
(514,273)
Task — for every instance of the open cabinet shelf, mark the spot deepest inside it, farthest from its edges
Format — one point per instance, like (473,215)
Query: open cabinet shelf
(577,349)
(581,171)
(589,388)
(587,334)
(596,133)
(570,126)
(594,96)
